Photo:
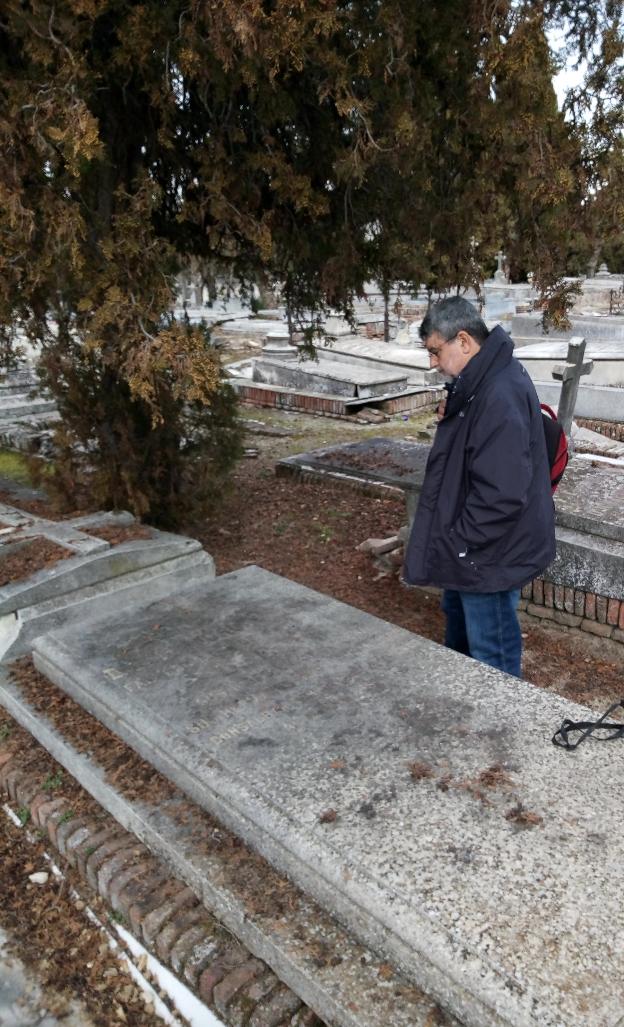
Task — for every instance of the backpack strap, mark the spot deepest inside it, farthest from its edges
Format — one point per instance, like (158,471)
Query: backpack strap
(548,410)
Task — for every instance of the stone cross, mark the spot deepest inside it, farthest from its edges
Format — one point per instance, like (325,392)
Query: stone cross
(499,274)
(569,374)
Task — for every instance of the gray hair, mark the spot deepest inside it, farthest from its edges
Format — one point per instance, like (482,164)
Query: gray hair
(453,315)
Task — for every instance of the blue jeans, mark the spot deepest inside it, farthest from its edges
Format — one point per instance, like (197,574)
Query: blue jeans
(485,626)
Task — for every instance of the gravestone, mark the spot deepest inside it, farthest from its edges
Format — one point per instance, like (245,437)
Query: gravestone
(499,274)
(569,374)
(413,791)
(391,463)
(96,576)
(278,344)
(334,377)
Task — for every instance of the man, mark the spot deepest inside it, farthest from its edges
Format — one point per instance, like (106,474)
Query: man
(485,521)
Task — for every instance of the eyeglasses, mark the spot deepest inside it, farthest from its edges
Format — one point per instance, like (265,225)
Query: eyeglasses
(434,351)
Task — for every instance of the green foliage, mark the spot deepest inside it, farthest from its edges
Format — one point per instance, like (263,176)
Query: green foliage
(166,457)
(14,466)
(23,815)
(5,732)
(325,533)
(53,781)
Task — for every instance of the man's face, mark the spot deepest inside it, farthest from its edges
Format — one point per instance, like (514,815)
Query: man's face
(450,356)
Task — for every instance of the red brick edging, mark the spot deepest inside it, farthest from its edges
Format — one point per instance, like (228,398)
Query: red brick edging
(574,608)
(610,429)
(162,911)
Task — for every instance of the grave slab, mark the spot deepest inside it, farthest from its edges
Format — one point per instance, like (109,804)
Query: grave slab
(541,360)
(527,329)
(344,987)
(602,402)
(16,405)
(590,499)
(412,360)
(335,378)
(98,576)
(394,463)
(487,872)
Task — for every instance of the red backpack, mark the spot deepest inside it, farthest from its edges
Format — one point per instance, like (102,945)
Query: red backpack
(556,446)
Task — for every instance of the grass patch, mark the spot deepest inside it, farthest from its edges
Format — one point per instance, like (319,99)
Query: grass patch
(53,781)
(14,466)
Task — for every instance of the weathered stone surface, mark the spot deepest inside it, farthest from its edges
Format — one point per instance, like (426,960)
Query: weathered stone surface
(570,620)
(82,587)
(596,628)
(591,499)
(82,571)
(285,938)
(590,563)
(547,612)
(337,378)
(471,904)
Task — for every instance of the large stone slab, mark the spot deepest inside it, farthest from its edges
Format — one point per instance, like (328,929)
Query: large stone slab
(343,986)
(333,377)
(541,360)
(97,578)
(489,874)
(19,405)
(412,360)
(591,499)
(596,329)
(395,463)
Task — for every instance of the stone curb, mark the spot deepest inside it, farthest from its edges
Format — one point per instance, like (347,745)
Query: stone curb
(225,976)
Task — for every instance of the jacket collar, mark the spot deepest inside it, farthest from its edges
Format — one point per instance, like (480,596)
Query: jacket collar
(495,353)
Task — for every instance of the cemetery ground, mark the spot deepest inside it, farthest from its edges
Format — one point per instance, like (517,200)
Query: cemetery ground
(308,531)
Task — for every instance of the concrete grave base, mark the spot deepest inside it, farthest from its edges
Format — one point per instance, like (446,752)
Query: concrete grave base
(344,987)
(331,377)
(98,578)
(413,792)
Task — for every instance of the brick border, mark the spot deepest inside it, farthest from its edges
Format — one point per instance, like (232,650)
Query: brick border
(161,910)
(325,406)
(610,429)
(574,608)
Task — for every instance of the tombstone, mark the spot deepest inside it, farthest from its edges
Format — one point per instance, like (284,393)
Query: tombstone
(348,378)
(569,374)
(413,792)
(97,576)
(278,344)
(603,271)
(499,274)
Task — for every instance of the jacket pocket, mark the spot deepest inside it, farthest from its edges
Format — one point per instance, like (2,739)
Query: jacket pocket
(452,561)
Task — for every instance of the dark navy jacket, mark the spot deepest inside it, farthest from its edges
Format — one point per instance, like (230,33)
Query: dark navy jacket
(485,519)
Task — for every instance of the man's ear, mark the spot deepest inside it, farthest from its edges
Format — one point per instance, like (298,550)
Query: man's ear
(468,342)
